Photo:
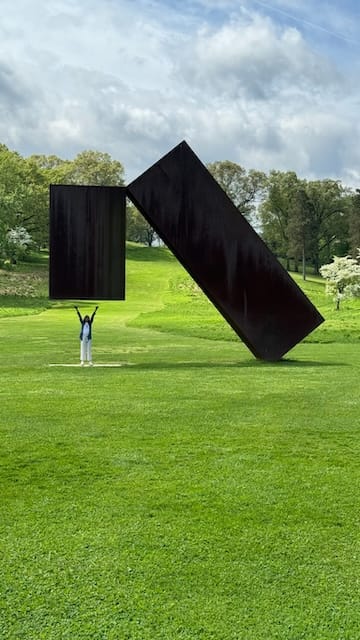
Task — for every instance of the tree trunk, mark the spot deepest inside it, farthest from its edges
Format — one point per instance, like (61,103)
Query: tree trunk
(303,264)
(316,263)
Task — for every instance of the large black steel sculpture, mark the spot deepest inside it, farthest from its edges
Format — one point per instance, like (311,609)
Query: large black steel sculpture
(87,242)
(199,223)
(224,255)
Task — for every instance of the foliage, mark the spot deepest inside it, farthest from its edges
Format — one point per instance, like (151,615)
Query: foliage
(55,169)
(342,277)
(328,204)
(276,209)
(96,168)
(299,229)
(89,167)
(20,237)
(17,243)
(23,196)
(354,222)
(243,187)
(137,228)
(303,219)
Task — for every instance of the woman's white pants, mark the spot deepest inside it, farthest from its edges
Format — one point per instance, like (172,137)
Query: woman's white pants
(85,350)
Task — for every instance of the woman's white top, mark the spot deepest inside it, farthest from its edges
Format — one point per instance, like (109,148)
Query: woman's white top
(86,330)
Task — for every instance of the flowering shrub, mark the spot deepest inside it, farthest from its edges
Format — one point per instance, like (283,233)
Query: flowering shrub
(342,278)
(14,245)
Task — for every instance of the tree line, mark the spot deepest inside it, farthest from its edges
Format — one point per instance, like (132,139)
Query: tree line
(304,222)
(24,195)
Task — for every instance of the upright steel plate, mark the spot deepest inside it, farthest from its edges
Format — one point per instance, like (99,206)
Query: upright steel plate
(87,242)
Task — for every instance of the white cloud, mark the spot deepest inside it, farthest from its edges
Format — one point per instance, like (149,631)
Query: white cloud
(134,79)
(255,59)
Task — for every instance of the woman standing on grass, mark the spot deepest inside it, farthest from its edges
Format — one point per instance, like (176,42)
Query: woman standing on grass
(85,336)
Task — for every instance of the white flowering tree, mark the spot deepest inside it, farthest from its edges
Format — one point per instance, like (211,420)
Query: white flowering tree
(342,278)
(17,242)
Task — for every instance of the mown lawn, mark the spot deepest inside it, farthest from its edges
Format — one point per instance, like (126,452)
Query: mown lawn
(186,492)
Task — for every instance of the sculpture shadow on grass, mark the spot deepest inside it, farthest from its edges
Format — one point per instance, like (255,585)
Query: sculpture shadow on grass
(210,364)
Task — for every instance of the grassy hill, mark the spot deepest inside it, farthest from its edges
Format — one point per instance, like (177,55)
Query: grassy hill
(179,306)
(185,490)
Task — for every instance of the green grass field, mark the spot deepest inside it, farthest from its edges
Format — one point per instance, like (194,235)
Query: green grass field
(188,491)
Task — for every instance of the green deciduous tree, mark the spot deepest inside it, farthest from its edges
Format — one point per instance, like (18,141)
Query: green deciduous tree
(138,229)
(354,222)
(277,210)
(328,204)
(87,168)
(299,228)
(55,169)
(96,168)
(24,186)
(304,220)
(23,201)
(243,187)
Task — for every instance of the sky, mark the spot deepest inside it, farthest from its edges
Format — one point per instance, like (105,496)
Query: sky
(269,85)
